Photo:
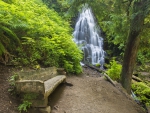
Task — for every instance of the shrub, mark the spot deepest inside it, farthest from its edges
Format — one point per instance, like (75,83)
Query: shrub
(142,91)
(114,70)
(45,37)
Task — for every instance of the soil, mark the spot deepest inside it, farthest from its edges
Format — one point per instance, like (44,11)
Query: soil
(8,102)
(89,92)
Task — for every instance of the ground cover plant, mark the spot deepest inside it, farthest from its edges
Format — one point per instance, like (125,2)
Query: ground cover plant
(44,37)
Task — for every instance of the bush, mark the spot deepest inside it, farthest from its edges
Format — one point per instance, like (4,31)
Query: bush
(114,70)
(142,91)
(45,37)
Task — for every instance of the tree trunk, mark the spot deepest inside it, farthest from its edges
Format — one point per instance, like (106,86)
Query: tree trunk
(129,60)
(136,25)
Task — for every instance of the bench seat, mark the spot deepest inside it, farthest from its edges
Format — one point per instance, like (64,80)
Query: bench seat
(51,84)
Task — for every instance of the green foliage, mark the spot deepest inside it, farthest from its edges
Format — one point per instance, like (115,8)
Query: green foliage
(26,98)
(8,23)
(24,106)
(24,30)
(53,36)
(45,38)
(26,101)
(114,18)
(114,70)
(142,91)
(143,53)
(28,55)
(97,65)
(143,57)
(61,6)
(11,81)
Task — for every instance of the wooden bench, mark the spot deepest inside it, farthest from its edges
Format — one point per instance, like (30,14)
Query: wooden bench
(40,83)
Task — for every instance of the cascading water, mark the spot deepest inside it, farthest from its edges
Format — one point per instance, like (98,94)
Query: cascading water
(88,37)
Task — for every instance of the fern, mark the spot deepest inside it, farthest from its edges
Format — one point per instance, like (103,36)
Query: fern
(44,38)
(2,49)
(10,34)
(8,37)
(24,106)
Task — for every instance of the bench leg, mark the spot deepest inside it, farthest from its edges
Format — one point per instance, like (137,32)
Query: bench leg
(45,110)
(40,102)
(39,109)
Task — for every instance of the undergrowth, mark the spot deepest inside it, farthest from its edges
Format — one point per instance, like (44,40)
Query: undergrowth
(114,70)
(142,90)
(26,103)
(24,106)
(11,81)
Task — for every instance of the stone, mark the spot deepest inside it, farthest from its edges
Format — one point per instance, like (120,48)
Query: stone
(30,86)
(40,83)
(45,110)
(39,102)
(51,84)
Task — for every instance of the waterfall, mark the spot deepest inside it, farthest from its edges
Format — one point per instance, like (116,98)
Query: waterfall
(88,38)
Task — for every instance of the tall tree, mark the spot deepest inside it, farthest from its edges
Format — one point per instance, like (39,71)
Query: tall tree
(139,10)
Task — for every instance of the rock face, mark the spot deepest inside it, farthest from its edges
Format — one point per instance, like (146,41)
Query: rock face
(39,84)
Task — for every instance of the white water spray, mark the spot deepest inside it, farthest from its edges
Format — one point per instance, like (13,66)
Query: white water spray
(88,37)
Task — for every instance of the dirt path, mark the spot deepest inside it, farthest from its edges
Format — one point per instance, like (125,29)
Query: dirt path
(8,102)
(90,93)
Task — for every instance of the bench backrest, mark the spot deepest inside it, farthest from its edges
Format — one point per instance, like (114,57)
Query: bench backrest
(30,86)
(41,74)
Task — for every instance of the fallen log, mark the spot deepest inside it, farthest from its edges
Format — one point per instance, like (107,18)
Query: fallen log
(109,79)
(136,78)
(99,70)
(95,68)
